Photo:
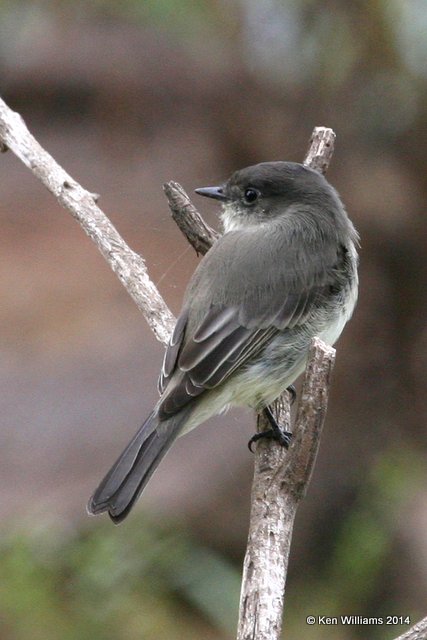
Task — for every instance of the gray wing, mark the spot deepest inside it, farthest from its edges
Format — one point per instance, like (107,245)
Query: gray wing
(219,346)
(236,322)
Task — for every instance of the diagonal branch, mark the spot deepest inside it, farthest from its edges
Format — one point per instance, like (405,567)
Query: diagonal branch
(188,219)
(126,264)
(417,632)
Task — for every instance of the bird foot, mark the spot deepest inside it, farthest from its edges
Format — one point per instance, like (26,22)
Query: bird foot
(275,433)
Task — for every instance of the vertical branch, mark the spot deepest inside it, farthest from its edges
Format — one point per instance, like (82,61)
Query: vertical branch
(281,478)
(280,482)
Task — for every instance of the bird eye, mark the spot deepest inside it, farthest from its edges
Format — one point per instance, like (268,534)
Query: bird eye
(251,195)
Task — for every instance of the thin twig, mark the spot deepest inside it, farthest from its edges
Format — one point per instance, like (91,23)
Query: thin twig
(417,632)
(188,219)
(320,149)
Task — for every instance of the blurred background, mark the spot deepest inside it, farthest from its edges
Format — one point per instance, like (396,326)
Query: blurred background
(127,95)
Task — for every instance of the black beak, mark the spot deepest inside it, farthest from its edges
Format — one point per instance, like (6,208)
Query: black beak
(212,192)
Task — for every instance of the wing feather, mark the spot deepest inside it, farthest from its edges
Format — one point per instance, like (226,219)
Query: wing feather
(226,345)
(172,351)
(233,325)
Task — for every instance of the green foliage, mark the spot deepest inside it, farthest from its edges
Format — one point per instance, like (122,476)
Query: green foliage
(354,580)
(144,581)
(136,581)
(183,16)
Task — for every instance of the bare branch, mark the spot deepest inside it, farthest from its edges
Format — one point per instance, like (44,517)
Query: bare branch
(125,263)
(188,219)
(417,632)
(276,493)
(280,481)
(320,149)
(310,417)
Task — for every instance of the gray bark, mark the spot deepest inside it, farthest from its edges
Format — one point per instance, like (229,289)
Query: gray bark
(280,481)
(126,264)
(417,632)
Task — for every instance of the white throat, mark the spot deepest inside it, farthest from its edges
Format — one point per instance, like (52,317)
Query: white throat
(235,219)
(230,218)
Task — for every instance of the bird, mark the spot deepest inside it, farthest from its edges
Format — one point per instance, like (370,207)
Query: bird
(284,271)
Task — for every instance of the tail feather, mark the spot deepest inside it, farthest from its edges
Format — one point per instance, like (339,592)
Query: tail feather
(123,484)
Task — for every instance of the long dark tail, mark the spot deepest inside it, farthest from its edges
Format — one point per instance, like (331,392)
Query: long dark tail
(123,484)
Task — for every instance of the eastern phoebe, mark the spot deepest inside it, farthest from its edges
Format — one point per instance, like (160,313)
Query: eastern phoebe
(284,271)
